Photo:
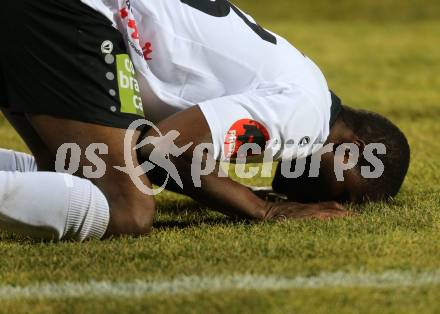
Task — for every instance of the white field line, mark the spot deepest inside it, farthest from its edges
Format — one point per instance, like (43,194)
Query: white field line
(216,284)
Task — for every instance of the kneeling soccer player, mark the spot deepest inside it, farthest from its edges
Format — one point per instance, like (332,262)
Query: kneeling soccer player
(210,72)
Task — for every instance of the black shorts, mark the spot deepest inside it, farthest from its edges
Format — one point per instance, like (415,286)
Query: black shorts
(64,59)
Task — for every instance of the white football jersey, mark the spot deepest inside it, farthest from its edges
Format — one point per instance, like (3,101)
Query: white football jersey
(251,85)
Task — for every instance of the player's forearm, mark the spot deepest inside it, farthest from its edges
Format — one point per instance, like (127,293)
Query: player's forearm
(232,198)
(222,194)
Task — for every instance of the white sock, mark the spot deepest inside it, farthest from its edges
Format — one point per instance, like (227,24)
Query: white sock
(52,206)
(14,161)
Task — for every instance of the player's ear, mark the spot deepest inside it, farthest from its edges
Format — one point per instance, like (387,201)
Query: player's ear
(345,144)
(360,144)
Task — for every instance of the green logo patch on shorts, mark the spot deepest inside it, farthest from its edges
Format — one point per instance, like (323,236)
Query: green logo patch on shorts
(129,91)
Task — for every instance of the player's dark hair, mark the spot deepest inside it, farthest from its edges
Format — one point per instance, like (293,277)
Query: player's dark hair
(373,128)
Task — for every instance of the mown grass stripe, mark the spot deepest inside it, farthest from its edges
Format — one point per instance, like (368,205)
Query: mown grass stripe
(194,284)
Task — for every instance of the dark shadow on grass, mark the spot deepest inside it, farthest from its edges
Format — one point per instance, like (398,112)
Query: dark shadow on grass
(182,207)
(204,216)
(176,224)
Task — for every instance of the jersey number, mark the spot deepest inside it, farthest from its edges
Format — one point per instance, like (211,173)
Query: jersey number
(222,8)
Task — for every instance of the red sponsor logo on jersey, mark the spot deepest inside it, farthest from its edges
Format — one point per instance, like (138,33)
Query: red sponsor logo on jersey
(132,24)
(147,50)
(133,31)
(123,13)
(242,132)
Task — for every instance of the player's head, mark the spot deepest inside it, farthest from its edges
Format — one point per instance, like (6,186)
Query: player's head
(361,128)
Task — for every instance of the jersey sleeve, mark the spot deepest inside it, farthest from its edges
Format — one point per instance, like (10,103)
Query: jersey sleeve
(285,122)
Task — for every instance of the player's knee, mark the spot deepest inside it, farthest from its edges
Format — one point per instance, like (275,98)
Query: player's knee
(142,216)
(143,226)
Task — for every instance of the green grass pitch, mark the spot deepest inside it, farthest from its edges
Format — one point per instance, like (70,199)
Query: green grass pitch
(379,55)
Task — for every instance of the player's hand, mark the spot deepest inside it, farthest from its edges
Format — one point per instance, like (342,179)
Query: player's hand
(325,210)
